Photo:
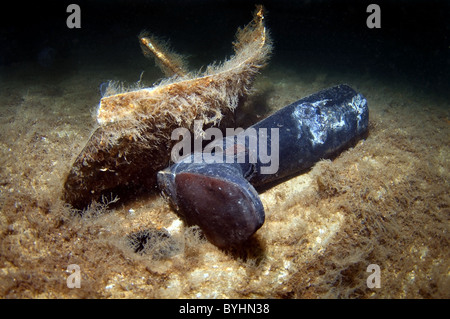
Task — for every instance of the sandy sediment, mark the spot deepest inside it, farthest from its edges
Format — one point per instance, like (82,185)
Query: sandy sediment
(384,201)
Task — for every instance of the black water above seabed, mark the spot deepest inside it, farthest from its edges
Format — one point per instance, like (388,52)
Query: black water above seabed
(412,44)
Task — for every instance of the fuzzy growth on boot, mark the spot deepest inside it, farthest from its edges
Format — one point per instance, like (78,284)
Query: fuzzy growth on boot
(133,140)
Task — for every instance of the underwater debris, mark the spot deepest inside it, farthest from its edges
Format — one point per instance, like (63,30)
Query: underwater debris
(215,197)
(220,197)
(169,62)
(133,140)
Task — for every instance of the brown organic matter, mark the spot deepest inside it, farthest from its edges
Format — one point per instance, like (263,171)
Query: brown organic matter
(133,140)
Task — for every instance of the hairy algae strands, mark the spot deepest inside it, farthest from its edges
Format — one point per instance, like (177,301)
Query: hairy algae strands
(220,197)
(170,62)
(133,140)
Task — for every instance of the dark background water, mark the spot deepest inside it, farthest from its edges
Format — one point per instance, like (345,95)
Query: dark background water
(412,44)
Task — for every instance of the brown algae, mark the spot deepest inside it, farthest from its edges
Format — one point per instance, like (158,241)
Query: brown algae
(133,140)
